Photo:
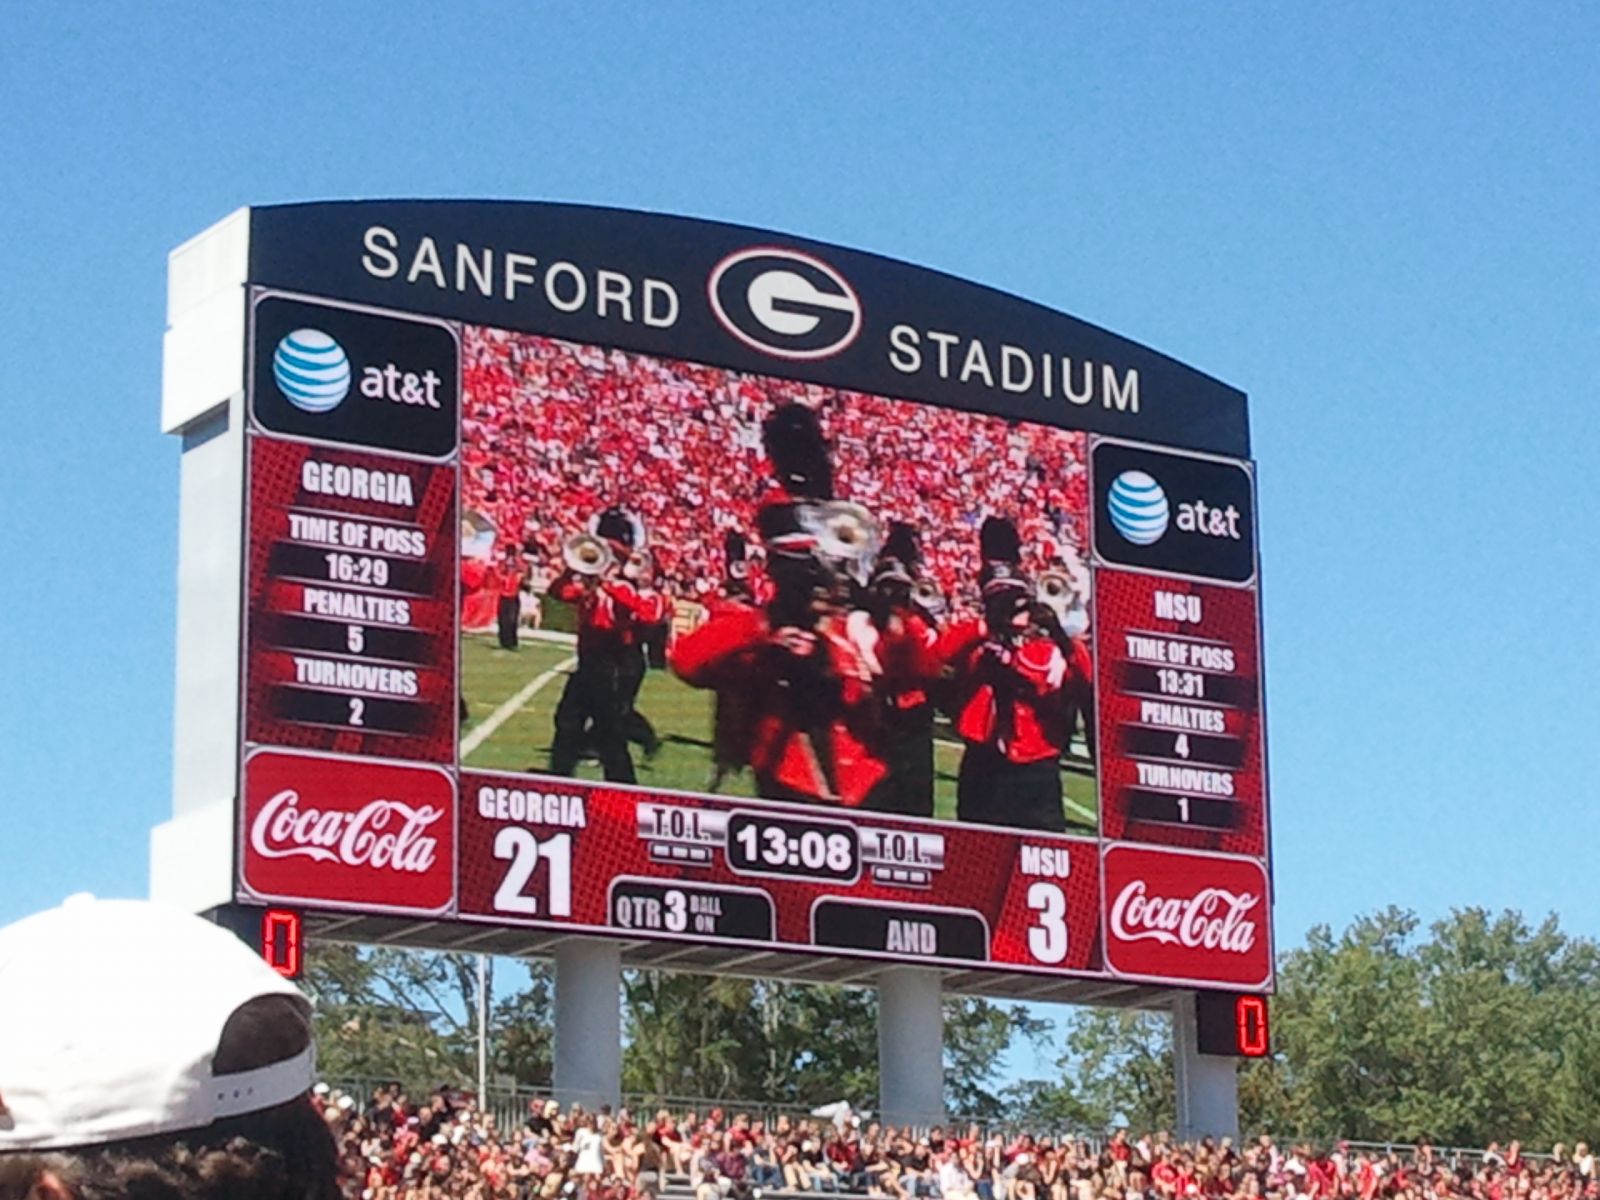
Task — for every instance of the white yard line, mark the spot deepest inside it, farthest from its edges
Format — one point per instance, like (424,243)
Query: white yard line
(511,707)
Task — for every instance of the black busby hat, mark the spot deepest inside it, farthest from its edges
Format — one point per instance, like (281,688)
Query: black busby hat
(998,541)
(617,524)
(792,437)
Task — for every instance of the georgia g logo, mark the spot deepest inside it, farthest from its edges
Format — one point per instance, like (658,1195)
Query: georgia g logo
(784,303)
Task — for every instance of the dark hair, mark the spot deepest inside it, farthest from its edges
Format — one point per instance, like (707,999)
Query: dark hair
(281,1153)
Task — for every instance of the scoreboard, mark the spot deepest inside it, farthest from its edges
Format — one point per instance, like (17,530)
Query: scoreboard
(482,440)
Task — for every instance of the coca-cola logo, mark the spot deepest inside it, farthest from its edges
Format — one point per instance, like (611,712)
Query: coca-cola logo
(1212,919)
(348,833)
(1186,917)
(385,834)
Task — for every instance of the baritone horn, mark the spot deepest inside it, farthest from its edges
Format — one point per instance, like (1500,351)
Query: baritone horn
(845,533)
(585,554)
(1056,591)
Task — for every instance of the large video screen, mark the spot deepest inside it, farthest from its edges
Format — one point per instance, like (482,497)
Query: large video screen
(557,632)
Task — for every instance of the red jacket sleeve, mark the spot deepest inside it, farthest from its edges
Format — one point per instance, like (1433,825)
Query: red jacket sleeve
(696,656)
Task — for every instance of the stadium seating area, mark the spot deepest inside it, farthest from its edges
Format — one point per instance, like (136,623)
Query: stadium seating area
(554,432)
(445,1148)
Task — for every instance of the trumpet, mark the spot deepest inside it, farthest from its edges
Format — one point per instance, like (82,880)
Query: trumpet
(845,532)
(925,594)
(585,554)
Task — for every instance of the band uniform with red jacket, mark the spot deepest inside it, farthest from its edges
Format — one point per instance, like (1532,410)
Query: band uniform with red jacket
(613,615)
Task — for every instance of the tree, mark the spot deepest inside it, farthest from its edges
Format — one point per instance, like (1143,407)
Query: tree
(1484,1029)
(383,1013)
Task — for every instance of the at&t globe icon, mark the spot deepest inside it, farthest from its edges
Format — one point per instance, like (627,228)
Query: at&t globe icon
(311,370)
(1138,507)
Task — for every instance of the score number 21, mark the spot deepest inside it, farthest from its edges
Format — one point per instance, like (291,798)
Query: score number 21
(523,851)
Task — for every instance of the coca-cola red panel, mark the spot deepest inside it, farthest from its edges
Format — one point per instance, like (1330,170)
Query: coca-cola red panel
(351,621)
(1178,670)
(545,851)
(347,833)
(1180,917)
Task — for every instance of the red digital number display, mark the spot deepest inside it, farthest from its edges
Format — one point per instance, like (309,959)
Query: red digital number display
(1251,1030)
(281,941)
(1232,1025)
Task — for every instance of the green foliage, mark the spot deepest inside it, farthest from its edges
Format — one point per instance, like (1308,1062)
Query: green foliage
(1485,1028)
(1480,1028)
(394,1014)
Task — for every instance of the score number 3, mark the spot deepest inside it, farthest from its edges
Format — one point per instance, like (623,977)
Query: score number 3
(524,851)
(1047,935)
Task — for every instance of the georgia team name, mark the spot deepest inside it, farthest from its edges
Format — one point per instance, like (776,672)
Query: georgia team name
(531,807)
(357,483)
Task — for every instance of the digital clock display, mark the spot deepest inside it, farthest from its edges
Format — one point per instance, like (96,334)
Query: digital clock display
(759,844)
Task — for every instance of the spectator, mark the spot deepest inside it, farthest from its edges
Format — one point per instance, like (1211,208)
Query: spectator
(149,1053)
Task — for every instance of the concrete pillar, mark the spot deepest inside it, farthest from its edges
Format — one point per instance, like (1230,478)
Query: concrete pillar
(588,1049)
(1208,1085)
(911,1046)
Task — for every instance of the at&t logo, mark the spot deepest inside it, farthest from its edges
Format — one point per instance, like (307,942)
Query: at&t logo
(311,370)
(1138,507)
(785,303)
(1140,512)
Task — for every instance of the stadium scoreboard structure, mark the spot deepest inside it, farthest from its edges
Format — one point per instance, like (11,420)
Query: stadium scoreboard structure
(411,389)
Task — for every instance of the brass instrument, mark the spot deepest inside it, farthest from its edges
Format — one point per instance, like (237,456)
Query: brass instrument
(1056,591)
(585,554)
(845,533)
(925,594)
(1067,598)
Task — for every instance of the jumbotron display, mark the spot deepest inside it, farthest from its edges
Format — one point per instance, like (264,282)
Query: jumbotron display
(626,574)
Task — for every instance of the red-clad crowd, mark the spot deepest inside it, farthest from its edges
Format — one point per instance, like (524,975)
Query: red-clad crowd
(445,1148)
(555,432)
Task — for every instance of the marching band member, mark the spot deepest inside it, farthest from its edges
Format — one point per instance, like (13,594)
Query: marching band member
(900,632)
(1011,668)
(612,612)
(804,685)
(730,724)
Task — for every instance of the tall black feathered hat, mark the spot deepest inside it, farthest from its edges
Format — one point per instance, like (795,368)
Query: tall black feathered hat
(900,555)
(792,438)
(1001,550)
(617,524)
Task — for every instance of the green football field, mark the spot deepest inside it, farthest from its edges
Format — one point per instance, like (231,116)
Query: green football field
(511,699)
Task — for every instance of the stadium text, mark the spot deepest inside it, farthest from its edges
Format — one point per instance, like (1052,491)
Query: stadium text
(510,275)
(1010,368)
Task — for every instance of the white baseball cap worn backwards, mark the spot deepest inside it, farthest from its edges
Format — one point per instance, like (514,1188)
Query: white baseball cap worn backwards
(110,1016)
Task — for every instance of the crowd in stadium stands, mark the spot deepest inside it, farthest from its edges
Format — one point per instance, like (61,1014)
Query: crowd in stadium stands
(554,432)
(444,1148)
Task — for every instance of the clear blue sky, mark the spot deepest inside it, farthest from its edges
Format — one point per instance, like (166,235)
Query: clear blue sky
(1380,221)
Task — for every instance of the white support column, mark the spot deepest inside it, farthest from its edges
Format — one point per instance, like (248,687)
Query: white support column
(911,1046)
(1208,1084)
(588,1049)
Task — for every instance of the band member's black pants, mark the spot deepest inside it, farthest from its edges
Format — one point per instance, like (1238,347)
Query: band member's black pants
(908,753)
(508,613)
(992,789)
(636,725)
(593,713)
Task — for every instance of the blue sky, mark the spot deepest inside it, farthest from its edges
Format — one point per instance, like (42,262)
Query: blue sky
(1381,222)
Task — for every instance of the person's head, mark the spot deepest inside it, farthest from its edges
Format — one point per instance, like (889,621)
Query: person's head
(149,1053)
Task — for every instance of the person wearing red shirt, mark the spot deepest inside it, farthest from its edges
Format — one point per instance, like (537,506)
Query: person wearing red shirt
(612,611)
(899,634)
(805,685)
(1008,696)
(509,578)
